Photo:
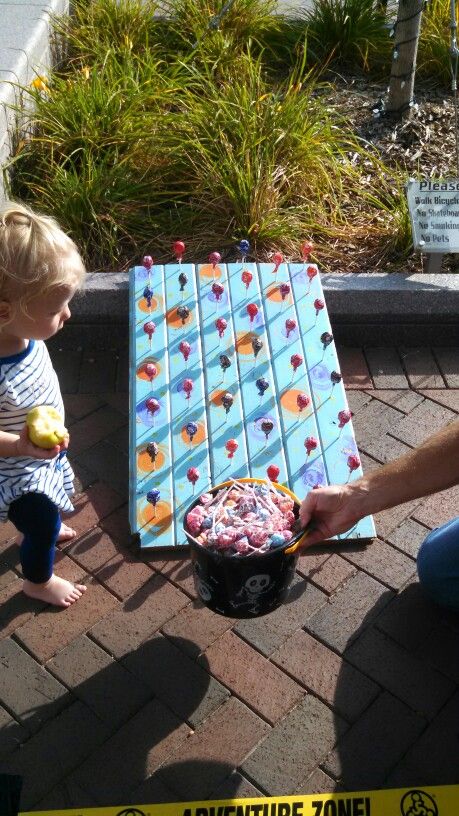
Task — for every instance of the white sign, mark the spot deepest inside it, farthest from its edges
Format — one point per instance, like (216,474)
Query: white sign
(434,212)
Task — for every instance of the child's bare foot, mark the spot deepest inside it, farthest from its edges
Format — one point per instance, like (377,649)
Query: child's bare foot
(56,591)
(66,533)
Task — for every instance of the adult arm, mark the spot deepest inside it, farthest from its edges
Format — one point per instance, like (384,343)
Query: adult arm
(431,467)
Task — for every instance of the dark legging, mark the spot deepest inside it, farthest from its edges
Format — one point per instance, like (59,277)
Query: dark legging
(38,518)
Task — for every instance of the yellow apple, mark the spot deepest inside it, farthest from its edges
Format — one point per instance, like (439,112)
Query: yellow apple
(46,427)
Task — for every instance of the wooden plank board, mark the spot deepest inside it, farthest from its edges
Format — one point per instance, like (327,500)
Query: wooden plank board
(284,444)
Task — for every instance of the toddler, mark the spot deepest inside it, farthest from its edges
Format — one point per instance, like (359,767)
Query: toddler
(40,271)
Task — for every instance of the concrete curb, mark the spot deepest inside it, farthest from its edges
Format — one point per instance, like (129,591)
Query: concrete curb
(370,309)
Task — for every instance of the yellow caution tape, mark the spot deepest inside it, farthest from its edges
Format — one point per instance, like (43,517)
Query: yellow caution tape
(441,800)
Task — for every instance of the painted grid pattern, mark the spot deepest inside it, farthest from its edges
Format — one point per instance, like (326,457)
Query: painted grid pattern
(162,526)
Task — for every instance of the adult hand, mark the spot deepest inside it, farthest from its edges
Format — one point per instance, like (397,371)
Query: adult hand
(331,510)
(24,447)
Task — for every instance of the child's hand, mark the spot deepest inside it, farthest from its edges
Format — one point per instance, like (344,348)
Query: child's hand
(24,447)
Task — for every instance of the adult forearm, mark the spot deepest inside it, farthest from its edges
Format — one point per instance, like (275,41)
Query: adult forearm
(431,467)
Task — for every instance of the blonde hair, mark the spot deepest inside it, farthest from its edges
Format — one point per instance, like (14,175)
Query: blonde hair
(35,255)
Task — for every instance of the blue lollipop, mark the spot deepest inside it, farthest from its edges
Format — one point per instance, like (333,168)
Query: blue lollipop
(244,247)
(191,429)
(262,385)
(148,294)
(153,497)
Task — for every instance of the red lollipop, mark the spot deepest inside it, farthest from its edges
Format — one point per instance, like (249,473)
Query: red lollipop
(278,258)
(311,272)
(290,325)
(295,361)
(187,386)
(252,311)
(353,462)
(231,446)
(273,473)
(306,249)
(178,248)
(302,401)
(218,290)
(147,262)
(151,371)
(185,349)
(192,475)
(246,278)
(318,305)
(220,325)
(152,405)
(149,328)
(344,417)
(284,289)
(214,258)
(310,443)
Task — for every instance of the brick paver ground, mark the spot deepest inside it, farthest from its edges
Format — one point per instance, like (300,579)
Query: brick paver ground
(139,694)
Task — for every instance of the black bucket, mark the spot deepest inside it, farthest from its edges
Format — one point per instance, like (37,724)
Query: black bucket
(244,586)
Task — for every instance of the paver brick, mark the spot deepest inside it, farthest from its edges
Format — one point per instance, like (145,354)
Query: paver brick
(354,368)
(93,428)
(447,397)
(374,744)
(386,368)
(373,420)
(51,630)
(438,509)
(109,464)
(384,448)
(60,746)
(66,795)
(139,617)
(116,525)
(16,608)
(123,574)
(93,549)
(67,365)
(252,677)
(387,520)
(408,537)
(137,749)
(409,617)
(319,782)
(209,755)
(294,747)
(268,632)
(403,400)
(448,361)
(7,577)
(357,400)
(383,562)
(197,626)
(97,502)
(152,789)
(421,423)
(421,368)
(333,573)
(177,569)
(235,786)
(183,685)
(27,689)
(12,733)
(97,372)
(311,560)
(439,649)
(78,406)
(83,477)
(326,675)
(349,611)
(407,677)
(100,682)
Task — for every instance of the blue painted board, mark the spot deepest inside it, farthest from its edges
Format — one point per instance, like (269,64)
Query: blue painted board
(283,445)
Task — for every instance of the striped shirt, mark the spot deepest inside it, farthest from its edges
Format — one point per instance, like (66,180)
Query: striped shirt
(27,380)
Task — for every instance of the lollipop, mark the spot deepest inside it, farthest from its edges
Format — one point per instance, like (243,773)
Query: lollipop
(149,328)
(310,443)
(183,313)
(151,371)
(152,405)
(344,417)
(266,426)
(257,346)
(152,450)
(302,401)
(246,278)
(147,262)
(192,475)
(273,473)
(290,325)
(191,429)
(284,289)
(220,325)
(225,361)
(214,259)
(278,258)
(153,497)
(335,377)
(218,290)
(185,349)
(326,338)
(183,280)
(306,249)
(187,387)
(353,462)
(148,294)
(252,311)
(231,446)
(178,248)
(318,305)
(295,361)
(243,247)
(227,401)
(262,385)
(311,272)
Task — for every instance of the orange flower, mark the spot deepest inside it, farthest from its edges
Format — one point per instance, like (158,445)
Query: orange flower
(39,83)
